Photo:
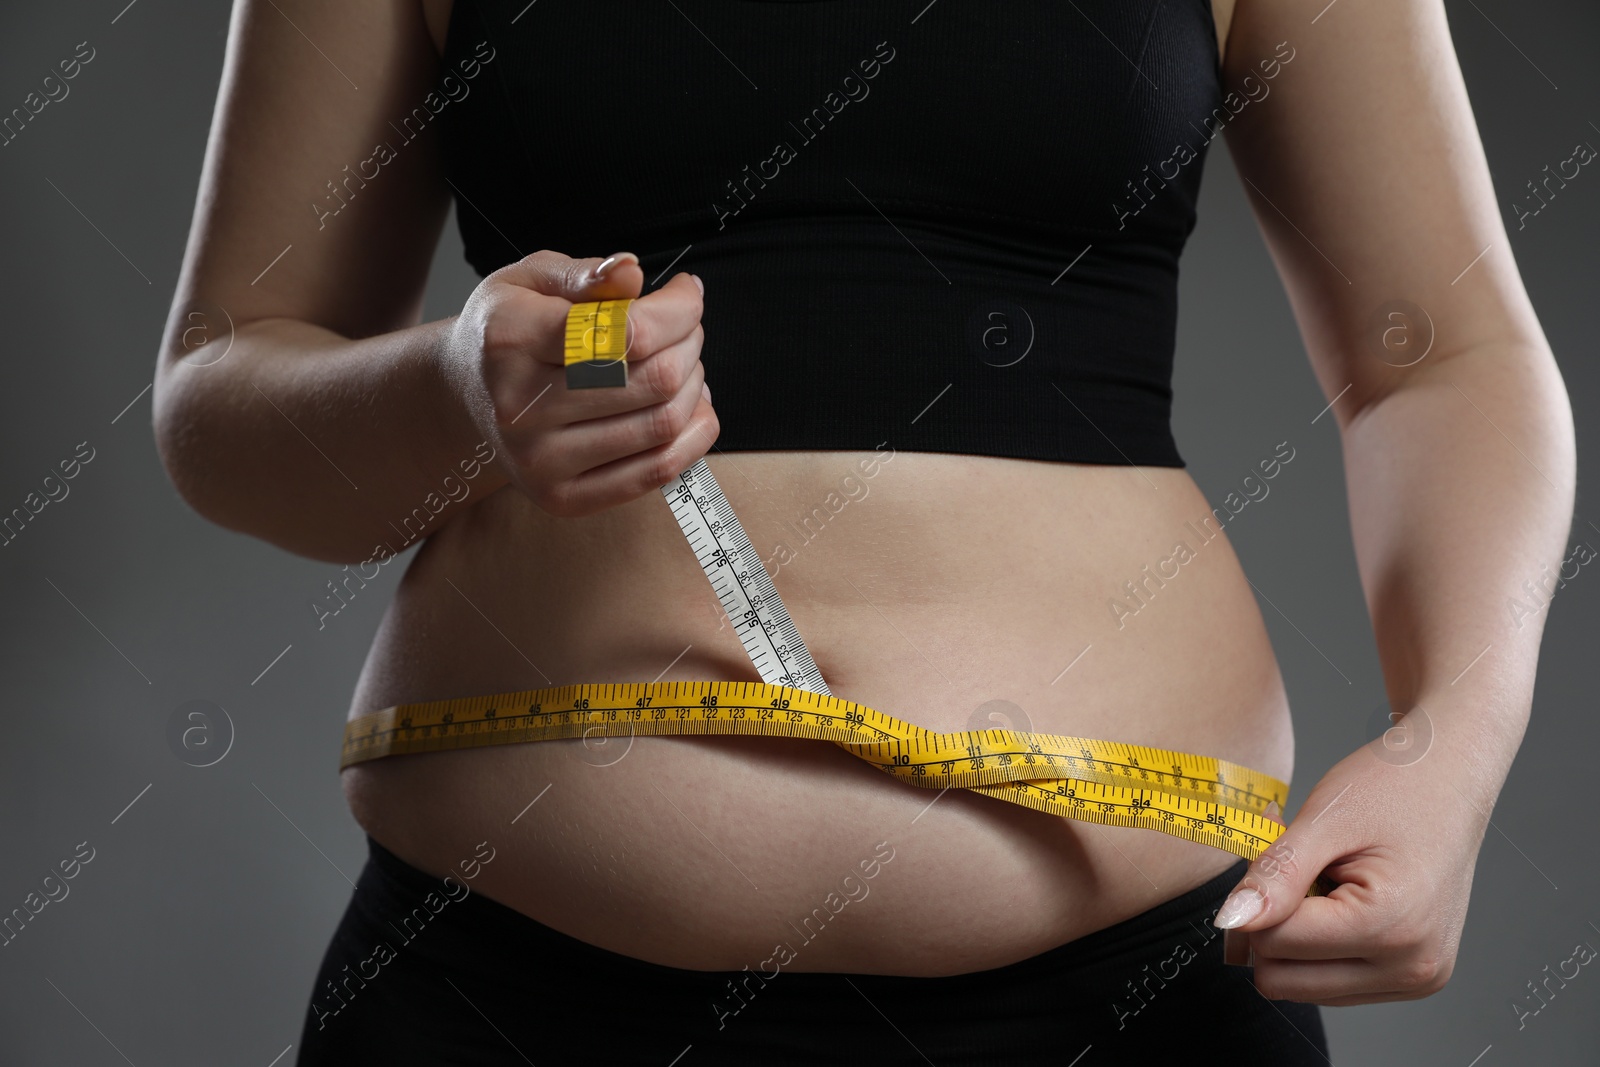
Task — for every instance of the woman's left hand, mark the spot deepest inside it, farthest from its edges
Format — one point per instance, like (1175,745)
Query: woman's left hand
(1402,840)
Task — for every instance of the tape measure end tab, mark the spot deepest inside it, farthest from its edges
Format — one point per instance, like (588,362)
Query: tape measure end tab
(597,374)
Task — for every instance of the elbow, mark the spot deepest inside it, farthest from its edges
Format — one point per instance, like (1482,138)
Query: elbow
(1560,406)
(180,444)
(1511,389)
(193,457)
(1552,423)
(190,420)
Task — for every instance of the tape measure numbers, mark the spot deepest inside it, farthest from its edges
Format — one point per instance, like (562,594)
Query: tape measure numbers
(1196,797)
(596,345)
(740,580)
(1199,798)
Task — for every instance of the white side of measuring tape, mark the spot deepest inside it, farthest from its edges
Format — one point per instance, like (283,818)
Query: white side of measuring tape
(740,580)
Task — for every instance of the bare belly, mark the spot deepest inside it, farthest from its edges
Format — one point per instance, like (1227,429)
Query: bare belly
(928,589)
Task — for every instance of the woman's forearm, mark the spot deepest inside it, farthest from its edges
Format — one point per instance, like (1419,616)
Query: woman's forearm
(1461,485)
(322,445)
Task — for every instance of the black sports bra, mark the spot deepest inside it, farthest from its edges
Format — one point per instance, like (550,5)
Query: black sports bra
(952,226)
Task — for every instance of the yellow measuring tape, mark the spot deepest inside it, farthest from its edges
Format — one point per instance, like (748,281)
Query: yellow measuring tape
(596,348)
(1199,798)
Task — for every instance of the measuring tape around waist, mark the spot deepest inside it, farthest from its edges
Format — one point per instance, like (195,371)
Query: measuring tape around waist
(1196,797)
(1199,798)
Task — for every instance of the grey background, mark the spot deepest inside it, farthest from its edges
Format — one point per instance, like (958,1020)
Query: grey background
(194,934)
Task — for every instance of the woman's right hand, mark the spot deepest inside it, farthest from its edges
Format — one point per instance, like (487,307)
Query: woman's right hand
(581,451)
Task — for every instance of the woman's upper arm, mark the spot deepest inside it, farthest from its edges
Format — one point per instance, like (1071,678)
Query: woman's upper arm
(1364,167)
(308,170)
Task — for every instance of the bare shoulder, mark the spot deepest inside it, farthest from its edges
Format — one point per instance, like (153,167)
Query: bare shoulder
(316,200)
(1352,129)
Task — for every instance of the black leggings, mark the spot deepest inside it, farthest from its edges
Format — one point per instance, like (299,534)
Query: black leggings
(482,984)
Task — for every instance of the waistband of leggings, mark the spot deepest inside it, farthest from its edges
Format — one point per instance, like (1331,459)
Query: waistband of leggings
(1185,917)
(393,887)
(396,886)
(1197,905)
(1206,898)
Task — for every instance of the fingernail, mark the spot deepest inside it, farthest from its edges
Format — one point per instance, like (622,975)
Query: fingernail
(700,283)
(705,391)
(1240,907)
(1274,813)
(611,261)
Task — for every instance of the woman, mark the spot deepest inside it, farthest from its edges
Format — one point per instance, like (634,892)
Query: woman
(927,254)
